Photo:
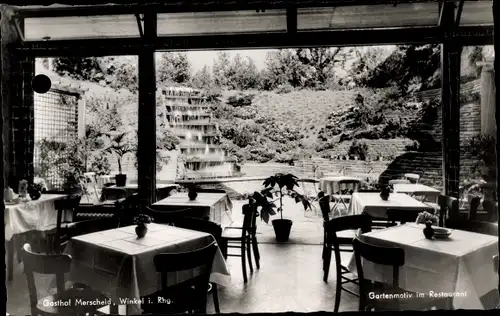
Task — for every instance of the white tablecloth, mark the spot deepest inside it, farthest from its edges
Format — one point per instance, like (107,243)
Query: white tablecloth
(372,204)
(218,203)
(418,190)
(330,185)
(121,265)
(461,264)
(33,215)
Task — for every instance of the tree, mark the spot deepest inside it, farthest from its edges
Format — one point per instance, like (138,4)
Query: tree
(78,68)
(203,79)
(246,76)
(321,60)
(173,67)
(222,69)
(283,67)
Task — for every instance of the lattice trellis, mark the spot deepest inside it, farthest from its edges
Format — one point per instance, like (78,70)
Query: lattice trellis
(56,120)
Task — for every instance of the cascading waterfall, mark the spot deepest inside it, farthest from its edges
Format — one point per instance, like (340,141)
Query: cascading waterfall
(187,115)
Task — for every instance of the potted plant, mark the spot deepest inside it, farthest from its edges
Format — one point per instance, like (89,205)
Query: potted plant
(385,191)
(119,146)
(141,220)
(192,192)
(275,188)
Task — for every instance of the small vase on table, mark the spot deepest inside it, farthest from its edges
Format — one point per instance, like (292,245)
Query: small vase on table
(428,230)
(141,229)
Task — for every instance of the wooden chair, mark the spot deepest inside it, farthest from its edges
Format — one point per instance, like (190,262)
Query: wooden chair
(347,188)
(448,208)
(412,177)
(387,256)
(68,204)
(128,208)
(208,227)
(113,194)
(347,226)
(86,227)
(241,238)
(400,216)
(474,205)
(491,211)
(202,190)
(485,228)
(57,265)
(187,296)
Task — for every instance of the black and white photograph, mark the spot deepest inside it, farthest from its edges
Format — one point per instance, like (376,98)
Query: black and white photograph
(188,156)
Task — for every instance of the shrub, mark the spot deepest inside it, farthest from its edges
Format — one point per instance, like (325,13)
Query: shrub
(240,100)
(358,149)
(284,88)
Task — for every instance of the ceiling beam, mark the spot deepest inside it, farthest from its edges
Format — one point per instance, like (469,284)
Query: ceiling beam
(81,8)
(103,47)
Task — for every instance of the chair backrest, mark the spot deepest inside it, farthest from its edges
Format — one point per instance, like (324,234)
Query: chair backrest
(485,228)
(324,204)
(448,208)
(202,258)
(249,218)
(200,225)
(386,256)
(491,209)
(90,226)
(404,216)
(128,208)
(349,186)
(496,263)
(201,190)
(113,193)
(69,203)
(361,222)
(170,217)
(474,205)
(399,181)
(368,190)
(412,177)
(57,265)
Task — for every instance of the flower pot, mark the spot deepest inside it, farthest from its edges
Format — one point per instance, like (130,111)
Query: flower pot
(35,194)
(282,228)
(141,230)
(384,196)
(192,195)
(428,231)
(121,180)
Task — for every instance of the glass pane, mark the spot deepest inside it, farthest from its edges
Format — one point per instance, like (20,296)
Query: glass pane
(221,22)
(368,16)
(76,27)
(477,13)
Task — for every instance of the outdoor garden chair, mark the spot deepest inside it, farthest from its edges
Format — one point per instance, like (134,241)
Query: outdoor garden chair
(57,265)
(68,204)
(394,257)
(90,183)
(188,296)
(399,181)
(208,227)
(473,226)
(241,238)
(448,208)
(399,216)
(412,177)
(347,188)
(340,232)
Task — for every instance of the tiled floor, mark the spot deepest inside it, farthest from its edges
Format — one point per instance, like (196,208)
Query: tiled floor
(289,279)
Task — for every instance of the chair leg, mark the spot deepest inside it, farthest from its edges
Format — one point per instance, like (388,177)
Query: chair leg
(249,254)
(326,263)
(243,262)
(215,294)
(256,254)
(338,291)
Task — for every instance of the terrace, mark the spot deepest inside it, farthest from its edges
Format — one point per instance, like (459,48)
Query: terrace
(30,33)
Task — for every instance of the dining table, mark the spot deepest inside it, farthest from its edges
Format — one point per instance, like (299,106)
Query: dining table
(331,184)
(24,217)
(372,204)
(418,190)
(459,267)
(211,206)
(121,265)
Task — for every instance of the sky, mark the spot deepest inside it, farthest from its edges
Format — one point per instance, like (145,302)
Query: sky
(199,59)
